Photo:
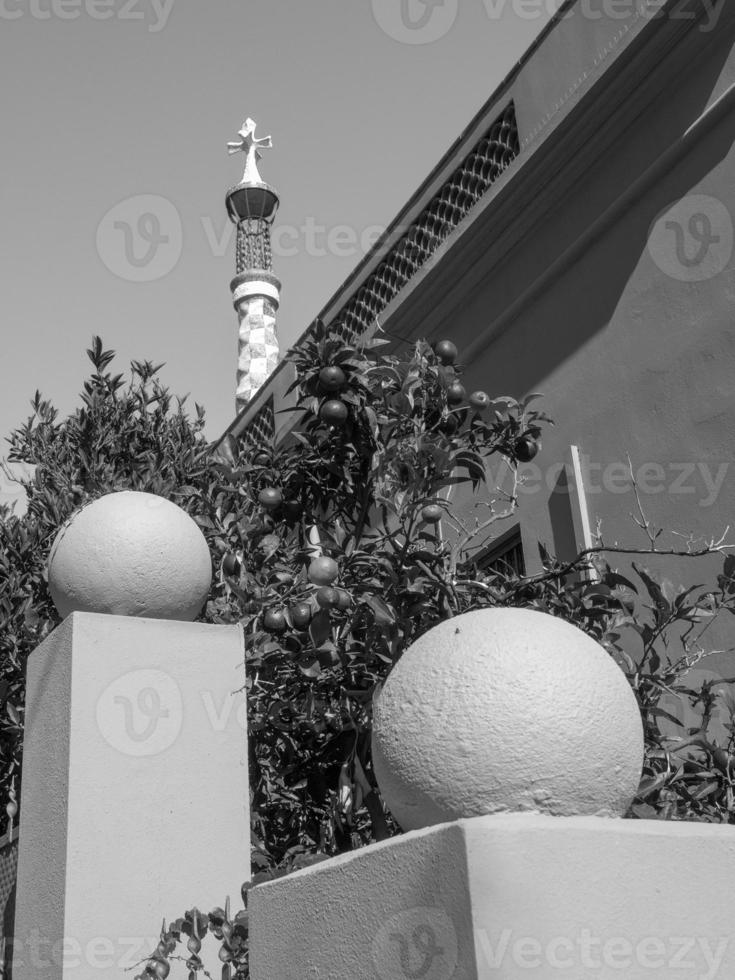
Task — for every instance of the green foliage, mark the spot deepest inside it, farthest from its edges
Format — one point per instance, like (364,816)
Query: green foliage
(132,436)
(358,483)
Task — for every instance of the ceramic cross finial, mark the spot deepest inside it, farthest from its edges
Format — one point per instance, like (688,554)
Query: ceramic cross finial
(250,145)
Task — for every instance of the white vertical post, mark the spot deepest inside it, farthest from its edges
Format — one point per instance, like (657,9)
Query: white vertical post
(583,527)
(135,794)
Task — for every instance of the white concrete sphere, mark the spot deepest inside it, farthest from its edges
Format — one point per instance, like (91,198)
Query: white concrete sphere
(502,710)
(130,554)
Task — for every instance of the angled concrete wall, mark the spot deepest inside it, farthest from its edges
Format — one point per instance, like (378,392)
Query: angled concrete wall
(508,897)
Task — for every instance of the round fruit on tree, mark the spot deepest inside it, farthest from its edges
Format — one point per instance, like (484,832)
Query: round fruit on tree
(270,498)
(292,509)
(333,412)
(327,597)
(231,564)
(323,570)
(446,351)
(525,449)
(456,393)
(432,513)
(274,621)
(270,543)
(261,458)
(332,378)
(345,599)
(480,401)
(450,424)
(301,615)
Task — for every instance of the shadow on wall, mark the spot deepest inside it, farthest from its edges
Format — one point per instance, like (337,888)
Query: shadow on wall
(585,296)
(562,519)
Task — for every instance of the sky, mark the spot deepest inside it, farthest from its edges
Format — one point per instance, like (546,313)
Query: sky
(114,165)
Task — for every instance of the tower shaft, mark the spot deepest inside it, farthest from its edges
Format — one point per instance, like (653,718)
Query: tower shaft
(255,294)
(252,206)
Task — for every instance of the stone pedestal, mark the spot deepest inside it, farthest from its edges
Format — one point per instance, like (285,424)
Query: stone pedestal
(508,896)
(135,791)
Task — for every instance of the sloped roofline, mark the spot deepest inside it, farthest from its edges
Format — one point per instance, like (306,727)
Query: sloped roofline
(599,62)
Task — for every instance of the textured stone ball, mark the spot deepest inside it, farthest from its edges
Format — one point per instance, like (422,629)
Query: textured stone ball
(504,710)
(131,554)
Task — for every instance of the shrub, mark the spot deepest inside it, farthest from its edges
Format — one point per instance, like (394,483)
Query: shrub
(360,488)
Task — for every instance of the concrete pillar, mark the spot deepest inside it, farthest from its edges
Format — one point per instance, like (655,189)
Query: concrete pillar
(135,793)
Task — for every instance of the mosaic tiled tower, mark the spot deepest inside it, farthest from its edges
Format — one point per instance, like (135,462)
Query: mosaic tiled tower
(252,206)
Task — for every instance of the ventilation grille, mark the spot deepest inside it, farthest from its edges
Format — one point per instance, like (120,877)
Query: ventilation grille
(262,429)
(480,168)
(506,557)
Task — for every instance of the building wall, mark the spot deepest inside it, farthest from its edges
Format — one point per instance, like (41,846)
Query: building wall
(554,282)
(632,356)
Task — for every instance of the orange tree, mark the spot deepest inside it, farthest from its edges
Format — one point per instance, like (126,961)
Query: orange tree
(335,550)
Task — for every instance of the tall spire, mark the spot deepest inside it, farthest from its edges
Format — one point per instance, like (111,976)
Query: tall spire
(252,206)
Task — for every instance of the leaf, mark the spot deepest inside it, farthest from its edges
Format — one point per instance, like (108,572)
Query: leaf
(374,342)
(546,560)
(652,784)
(504,401)
(320,628)
(384,615)
(525,402)
(658,712)
(615,578)
(661,603)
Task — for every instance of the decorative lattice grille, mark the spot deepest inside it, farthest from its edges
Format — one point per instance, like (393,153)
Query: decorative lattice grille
(253,246)
(489,157)
(8,868)
(262,429)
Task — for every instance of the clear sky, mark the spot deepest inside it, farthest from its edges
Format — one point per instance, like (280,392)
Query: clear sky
(128,105)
